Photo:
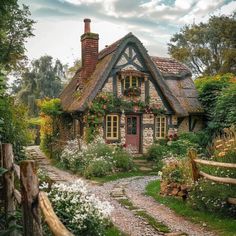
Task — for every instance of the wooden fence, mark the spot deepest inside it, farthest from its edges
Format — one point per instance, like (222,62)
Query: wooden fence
(32,201)
(197,173)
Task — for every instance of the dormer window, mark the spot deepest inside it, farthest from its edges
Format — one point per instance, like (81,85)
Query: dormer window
(131,81)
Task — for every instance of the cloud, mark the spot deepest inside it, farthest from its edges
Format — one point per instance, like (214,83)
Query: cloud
(153,21)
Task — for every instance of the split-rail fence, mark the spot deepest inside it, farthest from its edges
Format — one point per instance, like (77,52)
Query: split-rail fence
(32,201)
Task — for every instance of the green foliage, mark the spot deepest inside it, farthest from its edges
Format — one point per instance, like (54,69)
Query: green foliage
(43,79)
(106,103)
(225,111)
(15,28)
(217,95)
(14,128)
(123,160)
(162,149)
(49,119)
(95,159)
(97,168)
(212,197)
(224,226)
(207,48)
(177,171)
(51,107)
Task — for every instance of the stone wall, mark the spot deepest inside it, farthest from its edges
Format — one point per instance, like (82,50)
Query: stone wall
(148,131)
(122,129)
(200,124)
(108,86)
(154,97)
(184,126)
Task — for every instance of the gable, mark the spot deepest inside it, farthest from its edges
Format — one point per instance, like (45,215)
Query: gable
(113,59)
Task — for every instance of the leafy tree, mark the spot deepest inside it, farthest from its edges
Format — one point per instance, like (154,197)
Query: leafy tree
(14,125)
(15,28)
(225,110)
(43,79)
(207,48)
(217,95)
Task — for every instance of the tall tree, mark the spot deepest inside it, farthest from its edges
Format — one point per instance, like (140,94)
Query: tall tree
(15,28)
(42,79)
(207,48)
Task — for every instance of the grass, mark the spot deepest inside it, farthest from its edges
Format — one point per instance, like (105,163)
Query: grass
(113,231)
(127,203)
(152,221)
(223,225)
(160,227)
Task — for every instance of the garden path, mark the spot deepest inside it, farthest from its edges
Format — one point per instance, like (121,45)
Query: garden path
(131,189)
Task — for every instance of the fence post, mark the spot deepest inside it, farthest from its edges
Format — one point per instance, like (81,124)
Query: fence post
(30,200)
(192,154)
(8,182)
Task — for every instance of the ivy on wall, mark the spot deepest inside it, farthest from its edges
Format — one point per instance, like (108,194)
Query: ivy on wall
(106,103)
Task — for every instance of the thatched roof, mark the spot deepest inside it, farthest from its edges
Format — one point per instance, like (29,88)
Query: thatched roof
(172,78)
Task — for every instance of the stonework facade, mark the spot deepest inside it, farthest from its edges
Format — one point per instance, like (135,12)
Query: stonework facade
(163,99)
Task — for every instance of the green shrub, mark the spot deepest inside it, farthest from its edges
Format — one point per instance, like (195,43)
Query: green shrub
(123,160)
(97,168)
(177,171)
(210,196)
(157,152)
(95,159)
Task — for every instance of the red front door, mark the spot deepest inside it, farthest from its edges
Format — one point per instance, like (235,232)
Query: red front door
(133,132)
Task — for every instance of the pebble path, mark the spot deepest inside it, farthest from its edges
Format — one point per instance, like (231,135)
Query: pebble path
(132,189)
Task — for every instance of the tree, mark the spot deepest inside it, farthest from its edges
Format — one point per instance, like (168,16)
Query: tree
(218,97)
(15,28)
(43,79)
(207,48)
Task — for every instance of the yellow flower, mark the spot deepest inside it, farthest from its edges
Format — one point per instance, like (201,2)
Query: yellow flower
(221,154)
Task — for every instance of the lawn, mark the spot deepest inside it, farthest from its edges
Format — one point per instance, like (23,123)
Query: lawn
(223,225)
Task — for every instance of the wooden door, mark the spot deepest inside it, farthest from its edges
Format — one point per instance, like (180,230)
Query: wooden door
(133,132)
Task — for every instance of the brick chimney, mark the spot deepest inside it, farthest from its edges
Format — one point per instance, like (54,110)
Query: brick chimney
(89,46)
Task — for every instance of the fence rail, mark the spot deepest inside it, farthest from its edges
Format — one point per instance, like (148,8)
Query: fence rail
(32,200)
(197,173)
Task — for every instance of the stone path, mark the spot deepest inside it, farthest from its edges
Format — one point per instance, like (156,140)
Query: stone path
(131,189)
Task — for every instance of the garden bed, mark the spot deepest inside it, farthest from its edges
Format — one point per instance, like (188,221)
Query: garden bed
(223,225)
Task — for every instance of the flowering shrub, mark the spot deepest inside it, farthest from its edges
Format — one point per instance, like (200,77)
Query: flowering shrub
(211,196)
(96,158)
(80,212)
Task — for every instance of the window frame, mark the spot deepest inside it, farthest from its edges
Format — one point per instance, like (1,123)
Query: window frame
(130,79)
(159,129)
(112,137)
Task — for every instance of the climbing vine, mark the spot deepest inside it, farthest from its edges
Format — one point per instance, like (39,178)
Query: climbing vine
(106,103)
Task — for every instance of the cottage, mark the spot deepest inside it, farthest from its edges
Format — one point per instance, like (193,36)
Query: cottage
(139,98)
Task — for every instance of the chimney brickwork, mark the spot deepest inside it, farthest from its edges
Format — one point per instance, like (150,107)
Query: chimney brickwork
(89,46)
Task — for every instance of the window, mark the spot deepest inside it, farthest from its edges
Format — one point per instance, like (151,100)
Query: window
(130,82)
(160,127)
(132,125)
(112,125)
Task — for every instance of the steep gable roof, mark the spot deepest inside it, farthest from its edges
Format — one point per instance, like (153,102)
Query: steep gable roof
(106,60)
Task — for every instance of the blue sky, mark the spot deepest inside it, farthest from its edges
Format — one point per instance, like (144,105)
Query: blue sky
(60,22)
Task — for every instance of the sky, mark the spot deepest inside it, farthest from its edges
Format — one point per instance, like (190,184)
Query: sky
(59,23)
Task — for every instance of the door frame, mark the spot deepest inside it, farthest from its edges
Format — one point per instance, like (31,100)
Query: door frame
(139,116)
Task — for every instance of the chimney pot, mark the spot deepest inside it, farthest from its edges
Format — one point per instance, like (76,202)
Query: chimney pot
(87,25)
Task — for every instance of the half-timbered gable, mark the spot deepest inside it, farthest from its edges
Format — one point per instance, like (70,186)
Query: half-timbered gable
(159,95)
